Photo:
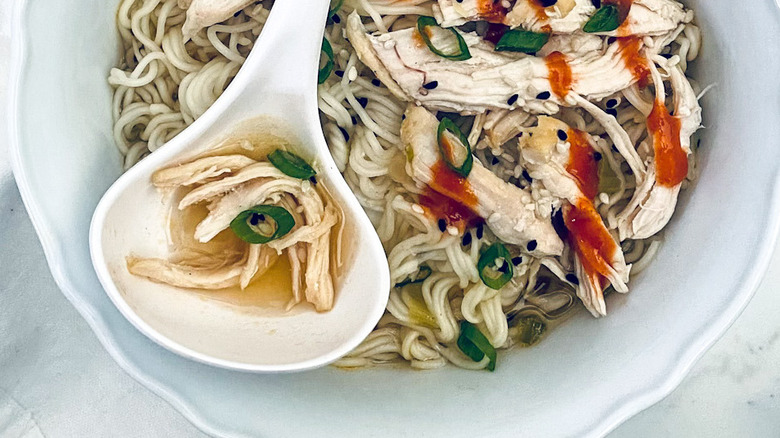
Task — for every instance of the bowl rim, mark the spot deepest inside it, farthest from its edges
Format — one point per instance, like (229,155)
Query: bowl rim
(613,415)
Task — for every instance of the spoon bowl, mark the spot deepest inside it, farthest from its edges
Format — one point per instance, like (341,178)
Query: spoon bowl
(275,92)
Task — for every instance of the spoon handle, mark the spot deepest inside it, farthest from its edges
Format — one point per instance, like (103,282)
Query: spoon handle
(290,45)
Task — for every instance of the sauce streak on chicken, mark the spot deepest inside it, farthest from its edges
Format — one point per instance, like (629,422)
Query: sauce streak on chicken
(453,212)
(445,181)
(593,244)
(492,11)
(671,161)
(539,7)
(634,61)
(559,73)
(582,164)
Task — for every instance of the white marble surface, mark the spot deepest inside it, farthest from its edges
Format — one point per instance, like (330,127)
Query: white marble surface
(57,381)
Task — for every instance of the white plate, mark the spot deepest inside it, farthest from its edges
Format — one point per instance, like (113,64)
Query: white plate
(587,377)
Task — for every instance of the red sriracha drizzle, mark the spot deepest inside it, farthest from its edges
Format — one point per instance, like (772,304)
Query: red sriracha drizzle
(559,73)
(634,61)
(582,163)
(590,239)
(671,161)
(449,197)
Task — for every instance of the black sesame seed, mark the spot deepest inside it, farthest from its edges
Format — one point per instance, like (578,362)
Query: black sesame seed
(531,245)
(336,19)
(459,1)
(544,95)
(512,99)
(376,82)
(480,230)
(494,161)
(571,278)
(597,156)
(517,260)
(562,135)
(431,85)
(466,239)
(611,103)
(527,176)
(611,111)
(559,225)
(313,180)
(403,116)
(255,219)
(339,73)
(442,225)
(344,133)
(363,101)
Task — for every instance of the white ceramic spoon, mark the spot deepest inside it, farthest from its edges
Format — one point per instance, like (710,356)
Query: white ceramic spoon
(279,79)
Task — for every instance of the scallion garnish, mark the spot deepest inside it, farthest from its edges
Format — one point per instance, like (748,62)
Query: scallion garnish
(326,69)
(291,164)
(606,19)
(262,224)
(336,6)
(424,23)
(422,273)
(495,266)
(475,345)
(524,41)
(454,147)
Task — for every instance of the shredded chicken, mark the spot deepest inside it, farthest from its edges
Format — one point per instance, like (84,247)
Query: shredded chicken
(546,157)
(230,185)
(645,17)
(509,211)
(199,171)
(204,13)
(490,79)
(653,204)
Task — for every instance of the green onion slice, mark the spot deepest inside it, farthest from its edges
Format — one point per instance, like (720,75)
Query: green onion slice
(262,224)
(519,40)
(335,7)
(418,277)
(445,47)
(606,19)
(291,164)
(530,330)
(495,266)
(326,69)
(454,147)
(475,345)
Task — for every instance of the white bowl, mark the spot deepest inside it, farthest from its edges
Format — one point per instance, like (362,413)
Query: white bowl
(583,380)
